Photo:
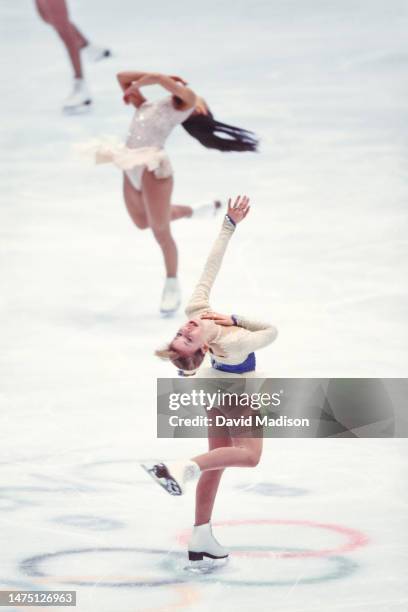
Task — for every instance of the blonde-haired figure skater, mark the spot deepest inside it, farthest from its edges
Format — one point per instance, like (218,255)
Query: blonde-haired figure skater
(148,174)
(231,340)
(55,13)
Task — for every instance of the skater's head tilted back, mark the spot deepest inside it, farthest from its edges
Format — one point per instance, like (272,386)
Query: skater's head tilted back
(187,349)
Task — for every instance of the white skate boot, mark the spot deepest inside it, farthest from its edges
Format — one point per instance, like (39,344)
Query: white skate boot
(95,53)
(171,297)
(173,476)
(79,100)
(203,548)
(207,210)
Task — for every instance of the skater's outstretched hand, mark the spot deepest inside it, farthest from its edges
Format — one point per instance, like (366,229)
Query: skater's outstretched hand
(219,319)
(239,210)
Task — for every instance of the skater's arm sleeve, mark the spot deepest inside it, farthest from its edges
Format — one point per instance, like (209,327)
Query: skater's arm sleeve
(199,301)
(261,334)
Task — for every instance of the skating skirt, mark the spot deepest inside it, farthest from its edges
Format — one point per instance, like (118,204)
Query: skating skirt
(131,161)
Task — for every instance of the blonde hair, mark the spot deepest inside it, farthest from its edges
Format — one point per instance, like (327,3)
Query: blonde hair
(186,363)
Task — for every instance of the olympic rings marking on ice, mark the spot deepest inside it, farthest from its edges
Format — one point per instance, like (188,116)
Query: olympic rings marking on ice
(30,567)
(10,585)
(187,595)
(355,538)
(343,567)
(10,494)
(89,522)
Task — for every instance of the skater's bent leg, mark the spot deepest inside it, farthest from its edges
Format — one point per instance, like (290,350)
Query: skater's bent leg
(55,12)
(209,481)
(80,38)
(178,211)
(68,36)
(245,452)
(134,204)
(157,195)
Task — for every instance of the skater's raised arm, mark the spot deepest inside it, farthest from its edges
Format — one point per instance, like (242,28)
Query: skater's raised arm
(176,86)
(126,79)
(130,81)
(199,301)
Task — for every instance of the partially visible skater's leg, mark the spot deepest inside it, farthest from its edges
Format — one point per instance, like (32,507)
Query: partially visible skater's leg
(208,483)
(202,543)
(55,12)
(179,211)
(80,38)
(134,204)
(157,198)
(156,195)
(245,452)
(136,208)
(174,476)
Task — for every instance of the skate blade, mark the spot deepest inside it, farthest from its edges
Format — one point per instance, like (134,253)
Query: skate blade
(217,207)
(78,110)
(107,53)
(168,314)
(206,565)
(166,481)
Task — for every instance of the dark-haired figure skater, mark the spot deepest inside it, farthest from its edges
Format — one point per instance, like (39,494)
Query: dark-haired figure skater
(55,13)
(231,339)
(148,175)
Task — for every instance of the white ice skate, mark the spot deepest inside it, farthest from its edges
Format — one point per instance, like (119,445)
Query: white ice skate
(96,53)
(174,476)
(79,100)
(171,297)
(207,210)
(204,551)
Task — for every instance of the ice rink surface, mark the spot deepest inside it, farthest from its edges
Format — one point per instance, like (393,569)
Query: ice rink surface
(319,524)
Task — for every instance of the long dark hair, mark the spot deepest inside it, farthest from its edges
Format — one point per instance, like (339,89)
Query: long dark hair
(216,135)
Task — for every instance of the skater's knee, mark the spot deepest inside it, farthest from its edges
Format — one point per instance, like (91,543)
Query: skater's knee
(162,234)
(251,458)
(141,222)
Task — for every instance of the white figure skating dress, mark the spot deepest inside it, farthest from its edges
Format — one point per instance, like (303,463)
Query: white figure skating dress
(151,125)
